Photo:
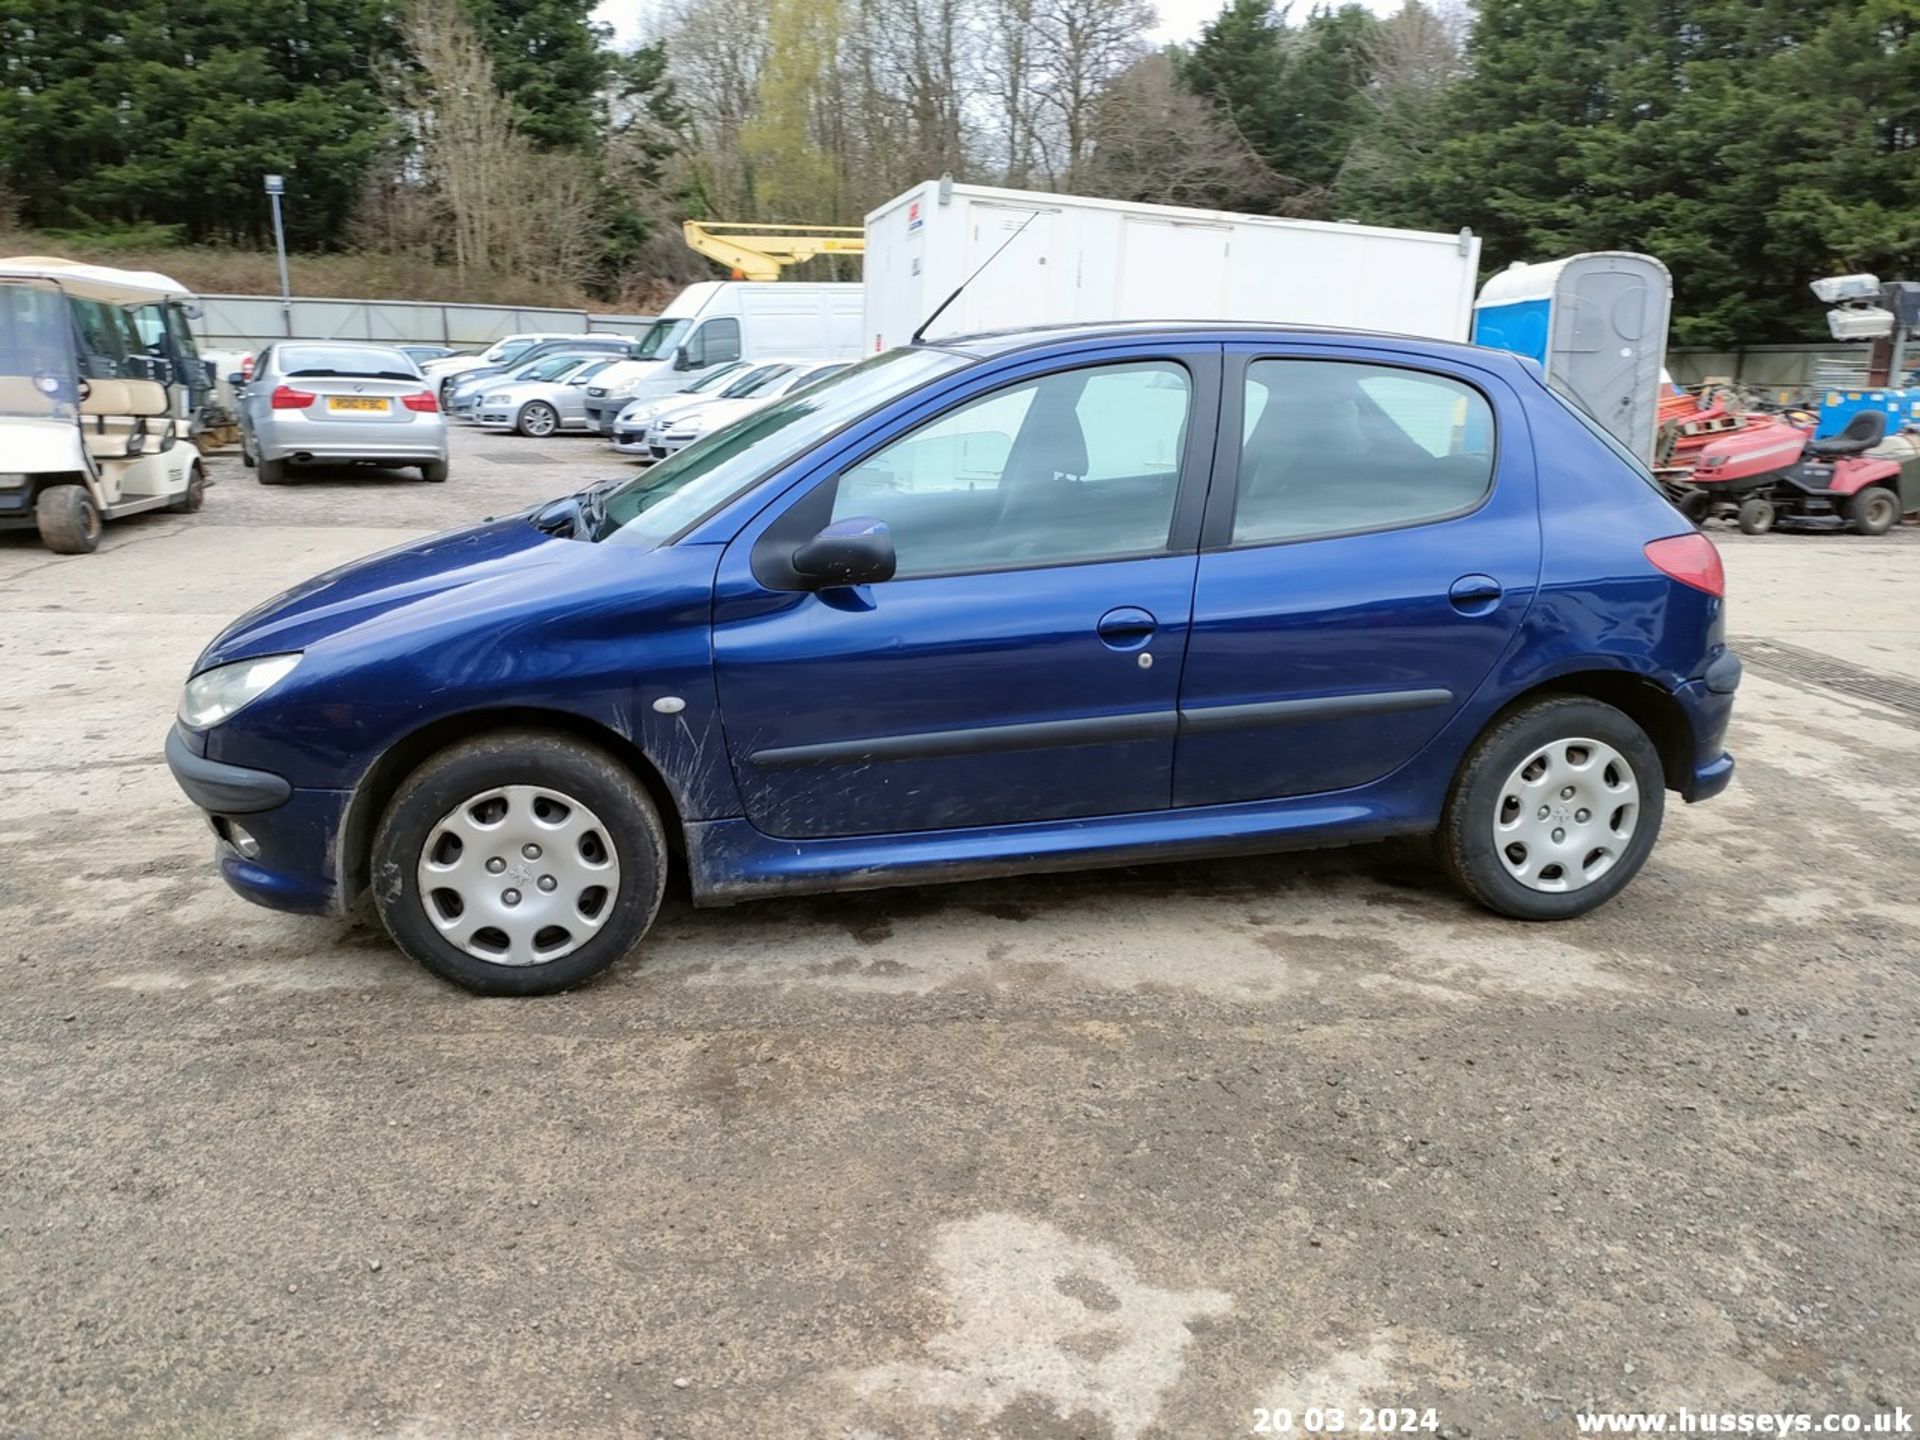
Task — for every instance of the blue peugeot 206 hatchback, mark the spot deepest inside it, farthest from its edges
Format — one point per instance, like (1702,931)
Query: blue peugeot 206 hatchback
(1013,602)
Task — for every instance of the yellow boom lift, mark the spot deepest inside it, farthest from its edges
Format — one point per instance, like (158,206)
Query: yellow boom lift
(760,252)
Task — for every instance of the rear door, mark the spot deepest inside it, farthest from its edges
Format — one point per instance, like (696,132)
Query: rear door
(1371,543)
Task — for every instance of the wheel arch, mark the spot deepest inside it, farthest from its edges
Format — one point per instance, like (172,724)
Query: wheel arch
(400,759)
(1643,700)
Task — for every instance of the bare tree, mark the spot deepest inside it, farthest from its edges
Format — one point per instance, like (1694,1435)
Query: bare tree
(468,189)
(1079,47)
(1157,142)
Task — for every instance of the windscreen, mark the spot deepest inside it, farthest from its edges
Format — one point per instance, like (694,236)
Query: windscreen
(370,361)
(714,378)
(676,493)
(658,339)
(757,383)
(36,353)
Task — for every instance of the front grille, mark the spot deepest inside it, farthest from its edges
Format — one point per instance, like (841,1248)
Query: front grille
(1810,667)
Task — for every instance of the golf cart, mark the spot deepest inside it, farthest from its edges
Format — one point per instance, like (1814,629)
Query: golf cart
(98,389)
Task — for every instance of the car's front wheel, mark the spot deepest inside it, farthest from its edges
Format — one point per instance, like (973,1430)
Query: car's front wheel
(1554,809)
(519,863)
(538,419)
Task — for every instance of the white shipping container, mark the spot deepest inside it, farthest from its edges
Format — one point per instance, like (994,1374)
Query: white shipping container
(1080,260)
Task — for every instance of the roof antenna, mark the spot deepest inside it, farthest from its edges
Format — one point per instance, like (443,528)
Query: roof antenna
(940,309)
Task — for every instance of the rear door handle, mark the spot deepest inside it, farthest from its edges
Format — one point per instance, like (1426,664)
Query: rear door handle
(1475,594)
(1126,628)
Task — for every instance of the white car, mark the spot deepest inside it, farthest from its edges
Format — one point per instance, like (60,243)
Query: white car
(677,429)
(503,351)
(538,407)
(631,425)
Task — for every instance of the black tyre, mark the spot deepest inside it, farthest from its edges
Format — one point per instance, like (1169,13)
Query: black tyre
(1695,505)
(1756,515)
(1554,809)
(537,419)
(434,472)
(246,450)
(519,863)
(69,521)
(271,472)
(1874,510)
(194,496)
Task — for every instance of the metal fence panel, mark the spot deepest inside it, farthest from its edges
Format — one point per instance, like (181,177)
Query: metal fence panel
(245,322)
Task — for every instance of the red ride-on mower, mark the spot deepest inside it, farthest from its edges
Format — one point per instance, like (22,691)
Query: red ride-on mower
(1772,473)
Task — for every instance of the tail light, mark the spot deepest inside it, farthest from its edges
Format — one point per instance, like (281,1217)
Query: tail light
(1692,560)
(424,402)
(246,368)
(285,397)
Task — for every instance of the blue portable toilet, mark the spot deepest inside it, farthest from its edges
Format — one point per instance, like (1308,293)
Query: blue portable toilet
(1597,324)
(1837,407)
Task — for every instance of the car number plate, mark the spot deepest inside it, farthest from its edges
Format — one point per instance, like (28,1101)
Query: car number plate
(356,402)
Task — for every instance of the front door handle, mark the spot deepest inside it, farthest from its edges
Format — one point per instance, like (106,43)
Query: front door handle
(1126,628)
(1475,594)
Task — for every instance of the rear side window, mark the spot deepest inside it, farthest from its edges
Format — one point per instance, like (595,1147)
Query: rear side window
(1330,447)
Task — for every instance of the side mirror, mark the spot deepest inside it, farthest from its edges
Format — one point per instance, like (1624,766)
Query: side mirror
(847,552)
(235,378)
(682,360)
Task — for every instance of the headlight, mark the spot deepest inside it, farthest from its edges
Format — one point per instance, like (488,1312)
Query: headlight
(213,695)
(496,400)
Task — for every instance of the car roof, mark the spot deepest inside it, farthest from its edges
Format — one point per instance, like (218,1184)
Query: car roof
(991,343)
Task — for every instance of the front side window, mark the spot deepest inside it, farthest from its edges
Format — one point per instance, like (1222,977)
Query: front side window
(1082,465)
(1331,447)
(715,343)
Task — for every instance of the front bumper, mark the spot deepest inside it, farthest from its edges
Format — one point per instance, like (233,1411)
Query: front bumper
(292,833)
(601,413)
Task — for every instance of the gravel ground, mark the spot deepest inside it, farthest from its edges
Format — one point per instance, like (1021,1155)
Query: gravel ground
(1125,1156)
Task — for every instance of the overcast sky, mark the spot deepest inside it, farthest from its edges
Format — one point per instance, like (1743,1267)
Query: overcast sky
(1179,19)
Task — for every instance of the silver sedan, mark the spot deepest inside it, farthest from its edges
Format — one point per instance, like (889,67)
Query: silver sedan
(540,407)
(313,402)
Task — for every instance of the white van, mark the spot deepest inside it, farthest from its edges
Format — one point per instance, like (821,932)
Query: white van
(719,321)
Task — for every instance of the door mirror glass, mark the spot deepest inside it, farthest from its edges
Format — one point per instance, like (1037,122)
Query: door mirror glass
(682,358)
(848,552)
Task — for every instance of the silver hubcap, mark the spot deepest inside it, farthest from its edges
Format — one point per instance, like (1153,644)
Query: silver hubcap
(519,875)
(539,420)
(1566,814)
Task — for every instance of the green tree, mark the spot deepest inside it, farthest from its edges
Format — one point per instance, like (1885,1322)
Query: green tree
(169,113)
(1751,147)
(1238,64)
(550,60)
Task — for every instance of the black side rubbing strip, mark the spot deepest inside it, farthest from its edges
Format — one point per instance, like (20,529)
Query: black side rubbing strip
(1207,720)
(976,740)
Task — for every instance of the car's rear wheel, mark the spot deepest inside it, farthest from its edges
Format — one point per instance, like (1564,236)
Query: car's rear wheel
(538,419)
(271,472)
(1554,809)
(1874,510)
(434,471)
(69,521)
(519,863)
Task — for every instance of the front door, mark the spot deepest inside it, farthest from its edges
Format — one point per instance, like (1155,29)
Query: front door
(1371,543)
(1024,661)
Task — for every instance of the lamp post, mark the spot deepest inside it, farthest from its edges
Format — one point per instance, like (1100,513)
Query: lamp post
(276,186)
